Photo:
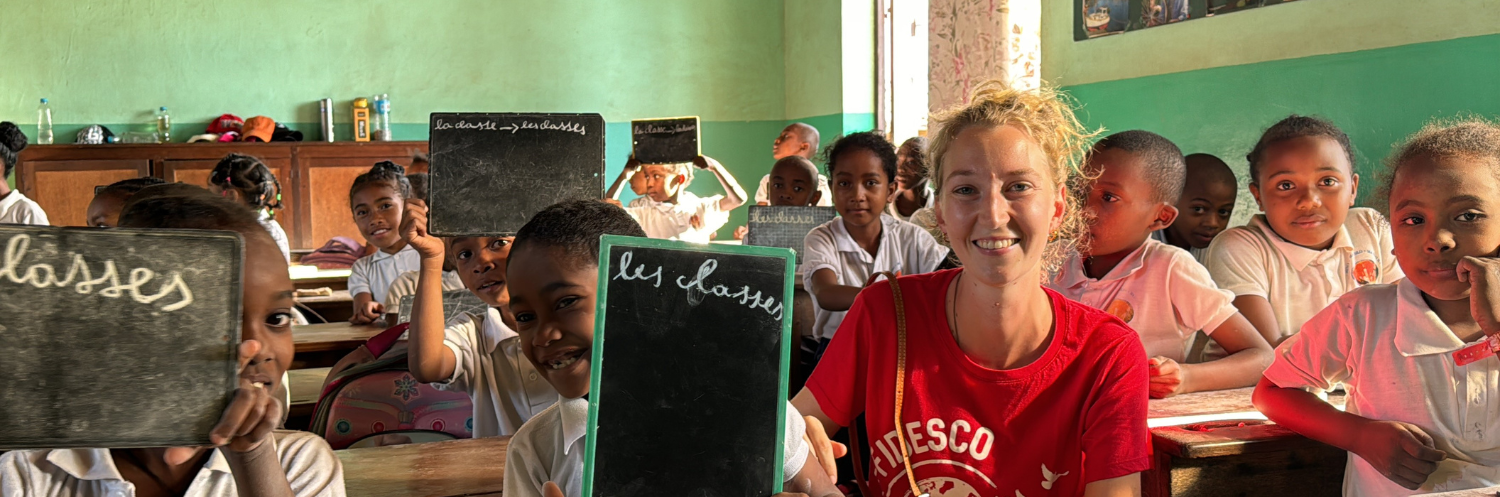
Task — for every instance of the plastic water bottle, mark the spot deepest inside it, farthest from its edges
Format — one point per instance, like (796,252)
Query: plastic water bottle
(163,126)
(382,127)
(44,124)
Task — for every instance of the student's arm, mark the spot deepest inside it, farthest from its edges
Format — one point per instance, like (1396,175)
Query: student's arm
(1248,357)
(366,309)
(819,425)
(614,190)
(811,481)
(734,195)
(1258,311)
(428,359)
(1124,486)
(244,433)
(1403,452)
(828,293)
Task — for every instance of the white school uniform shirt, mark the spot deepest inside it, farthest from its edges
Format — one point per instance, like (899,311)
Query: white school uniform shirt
(277,234)
(505,387)
(763,194)
(550,448)
(311,468)
(1299,281)
(406,284)
(904,248)
(1159,290)
(890,207)
(15,208)
(1395,358)
(374,273)
(1197,253)
(675,221)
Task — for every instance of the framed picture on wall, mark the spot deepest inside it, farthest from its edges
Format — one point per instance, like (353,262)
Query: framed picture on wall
(1097,18)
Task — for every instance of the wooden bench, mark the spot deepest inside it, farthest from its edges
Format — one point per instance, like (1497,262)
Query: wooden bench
(471,467)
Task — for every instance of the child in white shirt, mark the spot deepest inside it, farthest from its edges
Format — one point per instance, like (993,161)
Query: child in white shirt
(476,354)
(1157,289)
(1416,356)
(796,140)
(553,278)
(1310,246)
(840,255)
(377,199)
(1205,206)
(678,214)
(15,208)
(247,180)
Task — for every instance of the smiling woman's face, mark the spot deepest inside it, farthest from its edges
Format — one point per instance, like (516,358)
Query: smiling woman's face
(999,204)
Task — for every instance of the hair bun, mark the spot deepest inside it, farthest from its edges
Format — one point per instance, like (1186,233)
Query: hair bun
(11,136)
(386,165)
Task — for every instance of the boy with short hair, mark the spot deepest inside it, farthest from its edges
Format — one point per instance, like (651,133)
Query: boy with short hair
(794,182)
(677,214)
(1205,206)
(796,140)
(553,282)
(1159,290)
(480,355)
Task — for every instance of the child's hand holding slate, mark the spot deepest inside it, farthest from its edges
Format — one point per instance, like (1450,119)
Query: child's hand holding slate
(414,231)
(1482,274)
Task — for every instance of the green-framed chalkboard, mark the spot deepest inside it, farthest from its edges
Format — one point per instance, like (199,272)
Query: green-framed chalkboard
(689,369)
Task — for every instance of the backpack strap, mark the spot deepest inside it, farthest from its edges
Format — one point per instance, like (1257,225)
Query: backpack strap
(900,391)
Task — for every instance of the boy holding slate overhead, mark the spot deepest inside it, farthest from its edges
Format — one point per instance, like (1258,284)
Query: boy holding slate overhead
(476,354)
(250,457)
(796,140)
(553,281)
(677,214)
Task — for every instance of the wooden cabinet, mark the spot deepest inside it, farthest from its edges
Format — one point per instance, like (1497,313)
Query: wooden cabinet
(314,177)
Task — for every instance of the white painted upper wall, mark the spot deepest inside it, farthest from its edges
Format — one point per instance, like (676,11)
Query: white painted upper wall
(1286,31)
(859,56)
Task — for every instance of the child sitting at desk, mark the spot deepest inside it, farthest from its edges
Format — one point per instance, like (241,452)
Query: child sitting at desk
(1157,289)
(377,199)
(250,457)
(796,140)
(1420,416)
(15,208)
(677,214)
(104,209)
(553,275)
(1205,206)
(479,355)
(247,180)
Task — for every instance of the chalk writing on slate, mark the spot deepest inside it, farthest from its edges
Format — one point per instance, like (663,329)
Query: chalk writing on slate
(454,303)
(689,367)
(491,172)
(116,338)
(784,226)
(665,141)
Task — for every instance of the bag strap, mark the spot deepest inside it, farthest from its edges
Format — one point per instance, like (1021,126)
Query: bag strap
(900,387)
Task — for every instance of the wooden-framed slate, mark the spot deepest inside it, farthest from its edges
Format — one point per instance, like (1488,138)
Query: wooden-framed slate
(116,338)
(670,140)
(454,303)
(785,226)
(491,172)
(689,369)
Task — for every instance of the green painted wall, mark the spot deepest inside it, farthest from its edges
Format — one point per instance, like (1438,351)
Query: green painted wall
(1297,29)
(1377,96)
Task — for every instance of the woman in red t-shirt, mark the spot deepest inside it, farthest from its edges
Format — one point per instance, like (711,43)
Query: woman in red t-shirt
(1009,388)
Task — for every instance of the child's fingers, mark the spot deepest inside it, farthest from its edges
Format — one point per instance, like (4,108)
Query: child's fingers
(1421,467)
(550,489)
(239,408)
(1407,478)
(1420,445)
(822,446)
(1466,266)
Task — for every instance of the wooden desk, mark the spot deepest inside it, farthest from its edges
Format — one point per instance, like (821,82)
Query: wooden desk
(1476,492)
(472,467)
(321,345)
(312,277)
(1217,444)
(333,308)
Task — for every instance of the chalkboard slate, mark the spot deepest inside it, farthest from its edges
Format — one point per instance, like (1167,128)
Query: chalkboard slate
(116,338)
(784,226)
(491,172)
(454,303)
(665,141)
(690,355)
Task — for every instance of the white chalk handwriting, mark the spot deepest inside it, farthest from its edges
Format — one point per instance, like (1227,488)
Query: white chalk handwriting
(698,288)
(625,274)
(761,216)
(651,129)
(81,278)
(491,125)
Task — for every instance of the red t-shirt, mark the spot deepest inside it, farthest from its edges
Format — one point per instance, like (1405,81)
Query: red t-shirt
(1075,416)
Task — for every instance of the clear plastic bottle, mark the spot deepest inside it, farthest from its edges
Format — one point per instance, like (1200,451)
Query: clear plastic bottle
(163,126)
(382,124)
(44,124)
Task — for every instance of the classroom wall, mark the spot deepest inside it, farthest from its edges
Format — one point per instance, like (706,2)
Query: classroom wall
(1377,68)
(731,62)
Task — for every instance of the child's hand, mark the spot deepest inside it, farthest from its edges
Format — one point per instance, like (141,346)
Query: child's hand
(252,413)
(705,162)
(370,312)
(414,231)
(740,232)
(550,489)
(1167,377)
(823,448)
(1483,276)
(631,164)
(1401,451)
(613,202)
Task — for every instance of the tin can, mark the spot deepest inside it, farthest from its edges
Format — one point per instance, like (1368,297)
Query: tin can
(325,118)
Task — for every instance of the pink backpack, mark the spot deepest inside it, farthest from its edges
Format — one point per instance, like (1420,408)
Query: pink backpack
(382,398)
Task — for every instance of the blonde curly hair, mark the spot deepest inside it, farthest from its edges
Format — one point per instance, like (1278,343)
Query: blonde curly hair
(1047,117)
